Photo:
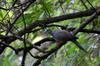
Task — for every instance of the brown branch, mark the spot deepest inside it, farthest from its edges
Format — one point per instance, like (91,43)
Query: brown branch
(48,54)
(85,30)
(70,29)
(36,44)
(57,19)
(24,58)
(1,43)
(87,21)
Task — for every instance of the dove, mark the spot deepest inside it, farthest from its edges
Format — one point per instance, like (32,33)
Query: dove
(64,36)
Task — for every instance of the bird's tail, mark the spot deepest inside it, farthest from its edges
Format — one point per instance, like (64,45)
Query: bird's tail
(79,46)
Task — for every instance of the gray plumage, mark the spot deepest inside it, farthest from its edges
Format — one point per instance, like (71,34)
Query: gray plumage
(63,35)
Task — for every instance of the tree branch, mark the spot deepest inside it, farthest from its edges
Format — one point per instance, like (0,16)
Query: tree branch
(57,19)
(87,21)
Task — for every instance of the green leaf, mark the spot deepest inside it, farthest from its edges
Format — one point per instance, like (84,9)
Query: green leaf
(68,1)
(6,62)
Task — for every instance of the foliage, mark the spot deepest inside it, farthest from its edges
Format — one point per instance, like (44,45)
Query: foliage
(16,15)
